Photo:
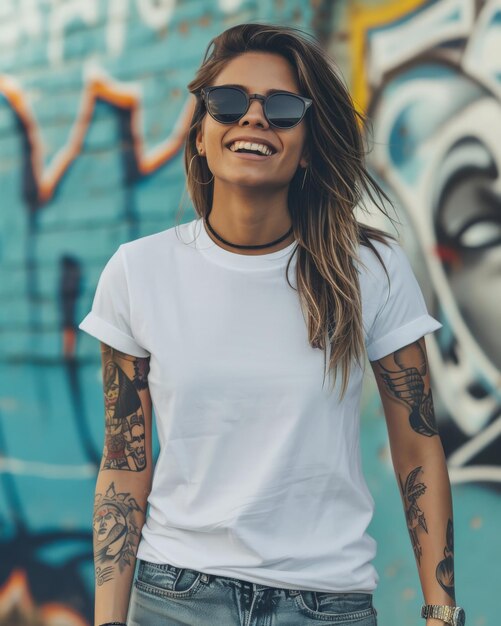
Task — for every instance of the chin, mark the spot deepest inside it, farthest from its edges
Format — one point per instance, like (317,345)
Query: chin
(250,181)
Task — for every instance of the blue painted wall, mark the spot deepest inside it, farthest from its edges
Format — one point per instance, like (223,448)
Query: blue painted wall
(92,95)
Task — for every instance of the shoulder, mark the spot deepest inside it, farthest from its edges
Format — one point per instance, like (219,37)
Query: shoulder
(149,247)
(384,271)
(153,241)
(376,256)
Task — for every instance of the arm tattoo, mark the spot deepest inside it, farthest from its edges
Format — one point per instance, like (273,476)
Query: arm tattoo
(407,385)
(411,491)
(116,532)
(445,569)
(141,371)
(124,433)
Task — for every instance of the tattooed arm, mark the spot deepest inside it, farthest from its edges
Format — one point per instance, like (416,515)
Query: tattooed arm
(419,462)
(123,483)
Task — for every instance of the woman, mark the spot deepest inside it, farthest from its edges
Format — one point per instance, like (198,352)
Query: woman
(258,507)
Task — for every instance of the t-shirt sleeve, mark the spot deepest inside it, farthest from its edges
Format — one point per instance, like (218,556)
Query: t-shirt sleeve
(402,316)
(109,319)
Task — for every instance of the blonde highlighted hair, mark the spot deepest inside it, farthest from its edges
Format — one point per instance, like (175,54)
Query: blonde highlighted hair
(323,210)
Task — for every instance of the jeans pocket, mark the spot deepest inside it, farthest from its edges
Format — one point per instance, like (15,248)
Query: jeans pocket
(336,607)
(169,581)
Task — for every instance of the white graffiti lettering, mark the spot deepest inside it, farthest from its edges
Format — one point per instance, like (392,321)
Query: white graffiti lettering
(49,20)
(62,13)
(229,6)
(156,13)
(17,20)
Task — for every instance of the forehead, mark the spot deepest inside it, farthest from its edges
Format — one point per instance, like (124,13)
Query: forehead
(258,72)
(104,510)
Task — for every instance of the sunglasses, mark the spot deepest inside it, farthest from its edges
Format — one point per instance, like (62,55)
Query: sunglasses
(227,105)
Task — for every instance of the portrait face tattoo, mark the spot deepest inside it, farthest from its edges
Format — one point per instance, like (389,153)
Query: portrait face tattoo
(116,531)
(110,528)
(136,446)
(125,435)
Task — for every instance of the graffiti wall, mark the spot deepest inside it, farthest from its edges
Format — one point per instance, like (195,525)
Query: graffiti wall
(93,113)
(428,75)
(434,102)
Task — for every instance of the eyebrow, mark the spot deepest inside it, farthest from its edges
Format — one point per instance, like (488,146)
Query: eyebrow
(266,93)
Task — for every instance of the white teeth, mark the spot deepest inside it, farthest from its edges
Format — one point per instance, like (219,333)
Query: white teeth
(247,145)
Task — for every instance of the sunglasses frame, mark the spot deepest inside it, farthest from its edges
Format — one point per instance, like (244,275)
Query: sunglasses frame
(205,93)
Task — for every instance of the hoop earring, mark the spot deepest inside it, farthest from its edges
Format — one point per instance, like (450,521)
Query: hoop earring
(304,177)
(198,181)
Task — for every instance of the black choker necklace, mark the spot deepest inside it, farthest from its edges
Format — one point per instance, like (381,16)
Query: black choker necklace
(234,245)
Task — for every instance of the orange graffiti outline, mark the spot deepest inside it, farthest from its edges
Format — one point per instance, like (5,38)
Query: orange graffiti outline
(95,89)
(361,19)
(15,589)
(16,593)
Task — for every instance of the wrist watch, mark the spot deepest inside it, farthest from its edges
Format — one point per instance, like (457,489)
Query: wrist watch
(453,615)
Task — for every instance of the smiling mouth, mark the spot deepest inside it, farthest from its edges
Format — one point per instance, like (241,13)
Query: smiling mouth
(251,154)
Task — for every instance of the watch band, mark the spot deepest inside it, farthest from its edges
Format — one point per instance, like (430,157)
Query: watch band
(438,611)
(453,615)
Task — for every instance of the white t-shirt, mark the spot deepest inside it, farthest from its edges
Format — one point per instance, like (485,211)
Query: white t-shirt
(259,473)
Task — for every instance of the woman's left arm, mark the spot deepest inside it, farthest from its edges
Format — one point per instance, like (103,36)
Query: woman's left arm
(419,462)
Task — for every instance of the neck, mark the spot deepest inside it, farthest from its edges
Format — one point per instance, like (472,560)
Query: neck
(247,216)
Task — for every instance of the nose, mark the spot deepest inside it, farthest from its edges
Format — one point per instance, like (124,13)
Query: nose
(255,115)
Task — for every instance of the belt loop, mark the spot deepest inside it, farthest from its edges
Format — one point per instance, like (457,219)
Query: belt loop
(140,568)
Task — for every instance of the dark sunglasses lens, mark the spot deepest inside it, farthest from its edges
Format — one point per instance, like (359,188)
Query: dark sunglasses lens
(227,105)
(284,111)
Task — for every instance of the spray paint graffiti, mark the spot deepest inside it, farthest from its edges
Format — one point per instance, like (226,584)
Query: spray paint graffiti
(33,20)
(34,590)
(18,607)
(429,76)
(125,98)
(30,18)
(22,549)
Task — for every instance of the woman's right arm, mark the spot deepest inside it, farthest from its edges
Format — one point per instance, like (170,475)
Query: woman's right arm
(123,482)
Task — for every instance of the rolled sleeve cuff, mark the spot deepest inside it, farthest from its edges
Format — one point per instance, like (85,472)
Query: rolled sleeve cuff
(402,336)
(105,332)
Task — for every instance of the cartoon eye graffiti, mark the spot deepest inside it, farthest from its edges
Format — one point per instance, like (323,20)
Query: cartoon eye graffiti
(435,125)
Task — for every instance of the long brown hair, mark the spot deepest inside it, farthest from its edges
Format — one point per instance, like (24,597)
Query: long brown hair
(322,211)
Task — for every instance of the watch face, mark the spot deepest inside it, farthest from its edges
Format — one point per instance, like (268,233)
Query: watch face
(459,617)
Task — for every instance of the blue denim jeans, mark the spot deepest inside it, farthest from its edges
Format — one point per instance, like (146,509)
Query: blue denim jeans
(172,596)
